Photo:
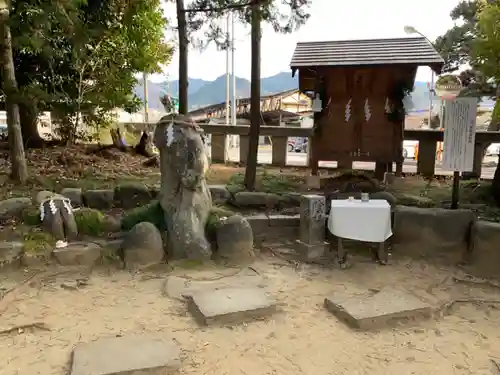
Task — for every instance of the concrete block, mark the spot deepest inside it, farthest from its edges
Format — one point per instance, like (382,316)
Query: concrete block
(374,311)
(230,305)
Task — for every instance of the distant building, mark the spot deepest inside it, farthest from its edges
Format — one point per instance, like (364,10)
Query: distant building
(276,109)
(44,123)
(153,115)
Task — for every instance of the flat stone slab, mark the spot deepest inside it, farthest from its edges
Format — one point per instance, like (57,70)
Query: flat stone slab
(78,254)
(230,305)
(183,287)
(126,356)
(374,311)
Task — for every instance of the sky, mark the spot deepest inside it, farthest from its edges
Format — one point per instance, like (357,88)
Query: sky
(330,20)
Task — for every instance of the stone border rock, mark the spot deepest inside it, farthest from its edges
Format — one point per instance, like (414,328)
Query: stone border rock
(78,253)
(132,195)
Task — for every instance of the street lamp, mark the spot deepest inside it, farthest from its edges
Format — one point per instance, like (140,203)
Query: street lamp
(412,30)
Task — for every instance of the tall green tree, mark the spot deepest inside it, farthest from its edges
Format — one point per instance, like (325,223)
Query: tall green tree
(486,58)
(485,54)
(456,47)
(19,170)
(76,55)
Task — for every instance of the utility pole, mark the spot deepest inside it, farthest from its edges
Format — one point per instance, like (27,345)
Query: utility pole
(431,94)
(228,41)
(233,98)
(146,97)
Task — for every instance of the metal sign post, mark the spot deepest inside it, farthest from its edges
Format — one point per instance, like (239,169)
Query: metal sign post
(459,138)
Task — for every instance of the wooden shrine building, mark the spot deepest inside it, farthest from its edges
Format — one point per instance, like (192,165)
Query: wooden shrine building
(361,85)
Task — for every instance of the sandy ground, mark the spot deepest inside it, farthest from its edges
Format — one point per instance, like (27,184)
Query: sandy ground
(302,339)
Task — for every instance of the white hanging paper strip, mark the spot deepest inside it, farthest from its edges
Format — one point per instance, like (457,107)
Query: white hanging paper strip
(387,106)
(53,207)
(67,206)
(170,134)
(348,111)
(368,113)
(42,211)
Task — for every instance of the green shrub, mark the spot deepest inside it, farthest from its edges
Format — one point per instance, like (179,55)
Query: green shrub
(90,222)
(151,213)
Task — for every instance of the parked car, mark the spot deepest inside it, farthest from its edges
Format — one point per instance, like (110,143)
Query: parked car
(300,145)
(493,149)
(291,144)
(410,149)
(3,132)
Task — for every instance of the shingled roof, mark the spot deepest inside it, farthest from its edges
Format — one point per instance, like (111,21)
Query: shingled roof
(416,51)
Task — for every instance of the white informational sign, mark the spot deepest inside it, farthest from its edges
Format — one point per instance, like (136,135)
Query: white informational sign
(459,134)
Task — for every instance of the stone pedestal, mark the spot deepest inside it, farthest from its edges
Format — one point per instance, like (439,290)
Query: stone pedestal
(311,243)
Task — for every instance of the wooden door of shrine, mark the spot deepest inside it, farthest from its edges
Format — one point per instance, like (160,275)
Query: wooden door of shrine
(354,124)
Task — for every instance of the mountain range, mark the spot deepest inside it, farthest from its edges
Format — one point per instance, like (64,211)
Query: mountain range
(203,93)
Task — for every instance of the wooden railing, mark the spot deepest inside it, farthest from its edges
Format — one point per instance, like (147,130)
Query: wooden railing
(427,143)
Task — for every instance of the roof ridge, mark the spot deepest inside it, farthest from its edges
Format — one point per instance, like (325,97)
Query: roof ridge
(364,40)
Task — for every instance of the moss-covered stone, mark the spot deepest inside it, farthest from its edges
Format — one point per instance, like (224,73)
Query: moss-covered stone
(151,213)
(216,215)
(31,216)
(38,242)
(90,222)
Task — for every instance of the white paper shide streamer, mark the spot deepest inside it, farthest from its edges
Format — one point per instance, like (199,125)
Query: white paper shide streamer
(368,112)
(170,134)
(348,110)
(53,208)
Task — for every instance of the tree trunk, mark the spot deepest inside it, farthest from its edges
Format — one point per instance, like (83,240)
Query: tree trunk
(494,125)
(183,58)
(19,170)
(28,113)
(253,139)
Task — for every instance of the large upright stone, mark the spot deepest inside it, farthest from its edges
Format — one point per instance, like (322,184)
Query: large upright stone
(126,356)
(56,214)
(184,194)
(311,242)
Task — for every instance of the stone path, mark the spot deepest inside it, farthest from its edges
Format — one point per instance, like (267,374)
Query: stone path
(230,305)
(126,355)
(377,309)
